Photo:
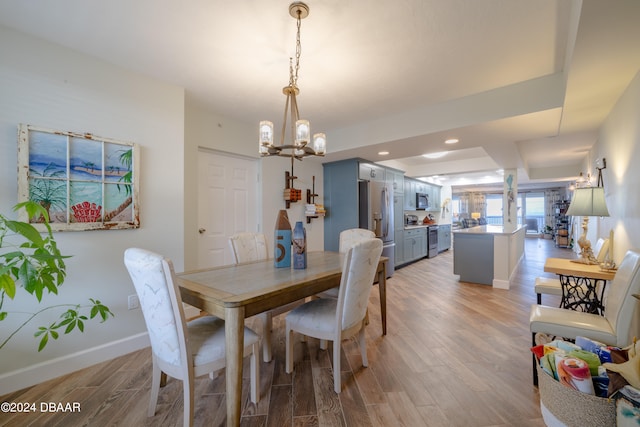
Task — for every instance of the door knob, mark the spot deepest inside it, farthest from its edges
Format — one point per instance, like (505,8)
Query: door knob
(201,230)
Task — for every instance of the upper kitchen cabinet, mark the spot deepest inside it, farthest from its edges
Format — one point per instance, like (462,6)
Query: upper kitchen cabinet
(371,172)
(435,198)
(409,195)
(413,187)
(397,179)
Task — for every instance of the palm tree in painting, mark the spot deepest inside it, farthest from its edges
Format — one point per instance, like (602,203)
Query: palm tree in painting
(48,192)
(126,159)
(89,165)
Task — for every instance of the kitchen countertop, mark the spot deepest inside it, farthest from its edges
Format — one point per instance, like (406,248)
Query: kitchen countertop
(488,229)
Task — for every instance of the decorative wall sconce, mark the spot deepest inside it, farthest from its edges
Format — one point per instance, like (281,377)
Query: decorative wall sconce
(581,182)
(601,164)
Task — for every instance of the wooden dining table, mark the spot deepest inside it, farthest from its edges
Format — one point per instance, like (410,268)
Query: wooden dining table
(235,292)
(580,283)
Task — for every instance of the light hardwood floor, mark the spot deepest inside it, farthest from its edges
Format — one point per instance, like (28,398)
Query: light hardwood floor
(456,354)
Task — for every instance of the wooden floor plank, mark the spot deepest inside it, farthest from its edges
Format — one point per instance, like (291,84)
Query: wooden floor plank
(456,354)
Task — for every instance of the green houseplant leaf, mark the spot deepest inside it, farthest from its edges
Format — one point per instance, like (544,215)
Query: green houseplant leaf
(36,265)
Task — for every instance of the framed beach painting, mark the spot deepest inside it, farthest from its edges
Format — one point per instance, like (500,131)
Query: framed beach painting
(84,182)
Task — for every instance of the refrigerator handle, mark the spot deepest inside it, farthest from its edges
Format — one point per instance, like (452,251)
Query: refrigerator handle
(385,212)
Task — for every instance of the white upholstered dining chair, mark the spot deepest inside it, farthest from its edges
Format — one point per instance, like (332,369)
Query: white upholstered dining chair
(180,349)
(620,323)
(337,319)
(348,239)
(247,247)
(601,249)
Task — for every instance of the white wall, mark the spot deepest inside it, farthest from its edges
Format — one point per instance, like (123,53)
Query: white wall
(46,85)
(619,143)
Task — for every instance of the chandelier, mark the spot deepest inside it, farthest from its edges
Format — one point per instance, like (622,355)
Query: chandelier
(300,129)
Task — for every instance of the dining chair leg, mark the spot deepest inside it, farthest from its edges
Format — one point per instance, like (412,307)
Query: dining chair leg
(336,366)
(363,347)
(289,350)
(156,378)
(188,401)
(255,372)
(163,379)
(267,325)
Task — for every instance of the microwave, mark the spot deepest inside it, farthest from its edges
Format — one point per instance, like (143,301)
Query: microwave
(422,201)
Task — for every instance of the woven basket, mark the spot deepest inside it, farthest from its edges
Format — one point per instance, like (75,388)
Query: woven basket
(573,408)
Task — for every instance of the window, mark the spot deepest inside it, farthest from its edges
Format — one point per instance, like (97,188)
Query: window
(494,209)
(83,181)
(455,207)
(533,211)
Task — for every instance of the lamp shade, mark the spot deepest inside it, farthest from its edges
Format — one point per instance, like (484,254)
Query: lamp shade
(475,215)
(588,201)
(266,133)
(319,143)
(302,133)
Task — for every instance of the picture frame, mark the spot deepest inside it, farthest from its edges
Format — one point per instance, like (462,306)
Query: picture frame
(84,182)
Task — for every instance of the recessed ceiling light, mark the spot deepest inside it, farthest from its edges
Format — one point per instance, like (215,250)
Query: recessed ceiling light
(451,141)
(383,153)
(435,155)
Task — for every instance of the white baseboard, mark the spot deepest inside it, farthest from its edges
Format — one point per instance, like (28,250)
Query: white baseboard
(501,284)
(41,372)
(506,284)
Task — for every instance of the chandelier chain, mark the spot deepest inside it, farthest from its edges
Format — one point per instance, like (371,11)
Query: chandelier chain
(298,49)
(302,143)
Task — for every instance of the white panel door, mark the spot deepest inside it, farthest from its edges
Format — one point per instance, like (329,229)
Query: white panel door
(227,204)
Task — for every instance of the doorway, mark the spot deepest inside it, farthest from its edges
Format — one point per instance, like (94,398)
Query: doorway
(227,204)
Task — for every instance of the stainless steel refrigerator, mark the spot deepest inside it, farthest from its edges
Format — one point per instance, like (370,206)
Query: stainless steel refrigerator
(375,213)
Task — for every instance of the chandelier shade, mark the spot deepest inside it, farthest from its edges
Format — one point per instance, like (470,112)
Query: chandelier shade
(302,144)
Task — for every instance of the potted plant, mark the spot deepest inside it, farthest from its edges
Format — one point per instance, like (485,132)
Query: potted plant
(548,232)
(31,263)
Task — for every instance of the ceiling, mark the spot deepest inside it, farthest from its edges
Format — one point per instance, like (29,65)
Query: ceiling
(522,84)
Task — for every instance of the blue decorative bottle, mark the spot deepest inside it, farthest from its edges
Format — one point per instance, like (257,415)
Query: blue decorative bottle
(282,241)
(299,246)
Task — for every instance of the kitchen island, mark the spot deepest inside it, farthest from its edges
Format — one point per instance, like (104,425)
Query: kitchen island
(487,254)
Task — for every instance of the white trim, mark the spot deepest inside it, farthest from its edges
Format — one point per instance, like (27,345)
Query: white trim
(501,284)
(40,372)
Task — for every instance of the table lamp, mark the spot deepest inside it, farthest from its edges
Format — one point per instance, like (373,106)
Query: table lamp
(586,202)
(475,215)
